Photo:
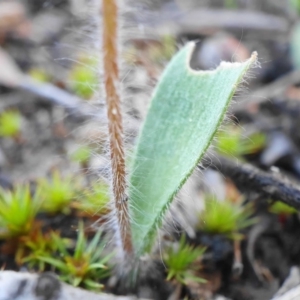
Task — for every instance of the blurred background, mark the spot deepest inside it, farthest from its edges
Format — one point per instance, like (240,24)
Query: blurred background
(56,43)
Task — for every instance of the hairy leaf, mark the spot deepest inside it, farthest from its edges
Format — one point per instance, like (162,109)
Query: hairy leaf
(185,112)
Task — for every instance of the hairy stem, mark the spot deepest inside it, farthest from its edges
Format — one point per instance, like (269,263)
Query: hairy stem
(112,89)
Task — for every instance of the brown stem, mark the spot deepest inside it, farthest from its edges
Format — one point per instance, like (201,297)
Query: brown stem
(112,89)
(251,179)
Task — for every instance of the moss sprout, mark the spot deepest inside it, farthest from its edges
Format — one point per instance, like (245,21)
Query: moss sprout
(57,193)
(231,142)
(18,210)
(183,262)
(279,208)
(225,217)
(82,155)
(83,77)
(10,123)
(85,266)
(94,202)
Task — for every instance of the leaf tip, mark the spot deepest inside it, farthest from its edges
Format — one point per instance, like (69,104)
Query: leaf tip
(253,59)
(191,47)
(254,55)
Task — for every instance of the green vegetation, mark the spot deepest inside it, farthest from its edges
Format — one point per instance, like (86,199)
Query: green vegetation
(86,266)
(225,217)
(83,77)
(38,75)
(17,211)
(82,155)
(230,142)
(10,123)
(183,262)
(57,193)
(279,208)
(231,4)
(179,127)
(26,237)
(94,202)
(295,4)
(186,110)
(34,245)
(165,51)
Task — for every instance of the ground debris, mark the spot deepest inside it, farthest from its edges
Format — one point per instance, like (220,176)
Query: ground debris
(46,286)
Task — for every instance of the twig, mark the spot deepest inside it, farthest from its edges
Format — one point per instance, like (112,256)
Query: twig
(205,20)
(255,232)
(12,77)
(250,178)
(237,263)
(200,19)
(110,17)
(58,96)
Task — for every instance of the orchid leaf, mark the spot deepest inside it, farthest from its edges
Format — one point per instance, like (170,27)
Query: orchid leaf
(186,110)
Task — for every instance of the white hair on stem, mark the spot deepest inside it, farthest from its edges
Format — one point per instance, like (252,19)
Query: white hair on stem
(113,92)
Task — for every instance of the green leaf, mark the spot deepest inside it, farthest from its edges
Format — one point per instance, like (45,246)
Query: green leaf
(97,266)
(195,279)
(93,284)
(76,281)
(282,208)
(92,247)
(81,242)
(55,263)
(186,111)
